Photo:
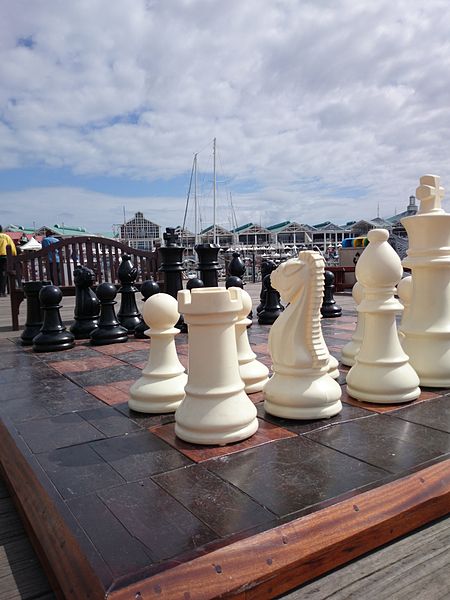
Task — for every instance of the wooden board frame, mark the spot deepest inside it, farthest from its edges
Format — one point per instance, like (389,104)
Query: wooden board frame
(258,567)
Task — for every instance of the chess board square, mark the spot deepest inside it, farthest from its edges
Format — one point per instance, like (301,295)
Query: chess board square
(434,414)
(110,394)
(135,357)
(348,413)
(139,455)
(105,376)
(122,552)
(144,420)
(122,347)
(17,360)
(109,421)
(385,441)
(35,372)
(301,474)
(51,433)
(266,433)
(156,519)
(84,364)
(385,408)
(78,470)
(218,504)
(78,353)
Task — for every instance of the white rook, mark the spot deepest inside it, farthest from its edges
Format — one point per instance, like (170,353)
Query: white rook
(216,409)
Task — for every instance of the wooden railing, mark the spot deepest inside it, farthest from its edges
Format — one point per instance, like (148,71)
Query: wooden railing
(57,262)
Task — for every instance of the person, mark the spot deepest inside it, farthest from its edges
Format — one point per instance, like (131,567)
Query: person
(5,241)
(47,241)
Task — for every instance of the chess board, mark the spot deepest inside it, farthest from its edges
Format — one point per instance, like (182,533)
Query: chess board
(115,504)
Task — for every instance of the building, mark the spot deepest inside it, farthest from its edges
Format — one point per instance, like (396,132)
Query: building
(140,233)
(252,235)
(224,237)
(291,233)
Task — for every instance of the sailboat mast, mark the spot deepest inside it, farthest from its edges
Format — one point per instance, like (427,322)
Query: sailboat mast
(195,201)
(214,192)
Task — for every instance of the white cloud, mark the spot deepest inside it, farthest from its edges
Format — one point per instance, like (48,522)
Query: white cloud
(349,96)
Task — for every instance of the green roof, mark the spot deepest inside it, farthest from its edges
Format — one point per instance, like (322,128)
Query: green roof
(242,227)
(278,225)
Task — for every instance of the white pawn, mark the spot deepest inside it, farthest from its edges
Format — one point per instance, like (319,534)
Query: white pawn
(381,373)
(350,350)
(253,373)
(161,387)
(301,386)
(216,410)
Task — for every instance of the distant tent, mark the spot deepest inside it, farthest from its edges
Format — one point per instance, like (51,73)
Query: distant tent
(32,244)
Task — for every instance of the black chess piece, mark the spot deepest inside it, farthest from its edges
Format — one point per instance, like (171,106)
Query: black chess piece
(171,256)
(234,281)
(329,307)
(109,330)
(53,336)
(272,307)
(194,282)
(128,315)
(87,305)
(208,263)
(236,270)
(35,316)
(148,288)
(267,266)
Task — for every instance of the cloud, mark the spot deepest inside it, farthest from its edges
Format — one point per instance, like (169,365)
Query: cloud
(307,99)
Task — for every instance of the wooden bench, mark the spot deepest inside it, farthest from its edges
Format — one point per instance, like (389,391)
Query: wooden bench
(341,282)
(102,255)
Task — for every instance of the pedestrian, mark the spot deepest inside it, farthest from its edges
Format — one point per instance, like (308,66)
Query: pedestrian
(5,241)
(47,241)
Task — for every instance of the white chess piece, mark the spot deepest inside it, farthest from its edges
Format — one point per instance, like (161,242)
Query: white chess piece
(161,387)
(381,373)
(253,373)
(426,324)
(404,293)
(301,387)
(350,350)
(216,410)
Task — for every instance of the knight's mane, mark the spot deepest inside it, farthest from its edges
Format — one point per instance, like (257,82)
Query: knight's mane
(314,338)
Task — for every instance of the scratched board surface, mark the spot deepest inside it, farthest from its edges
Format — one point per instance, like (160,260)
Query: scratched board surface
(146,500)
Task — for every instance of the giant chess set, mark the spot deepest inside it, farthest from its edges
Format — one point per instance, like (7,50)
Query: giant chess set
(244,455)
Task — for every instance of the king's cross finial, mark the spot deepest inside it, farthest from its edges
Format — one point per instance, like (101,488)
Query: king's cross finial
(430,194)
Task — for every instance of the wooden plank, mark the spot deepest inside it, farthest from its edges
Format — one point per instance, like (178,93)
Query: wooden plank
(271,563)
(417,566)
(21,575)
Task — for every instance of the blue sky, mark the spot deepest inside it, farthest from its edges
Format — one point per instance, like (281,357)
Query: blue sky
(321,112)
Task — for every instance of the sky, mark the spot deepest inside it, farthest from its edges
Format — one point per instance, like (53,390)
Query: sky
(322,110)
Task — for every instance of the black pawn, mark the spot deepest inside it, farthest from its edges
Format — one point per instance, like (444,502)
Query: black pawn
(267,266)
(87,305)
(109,330)
(329,308)
(35,316)
(234,281)
(148,288)
(194,282)
(236,270)
(272,308)
(208,263)
(128,315)
(53,335)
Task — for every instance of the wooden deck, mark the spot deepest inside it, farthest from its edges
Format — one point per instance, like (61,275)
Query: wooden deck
(416,566)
